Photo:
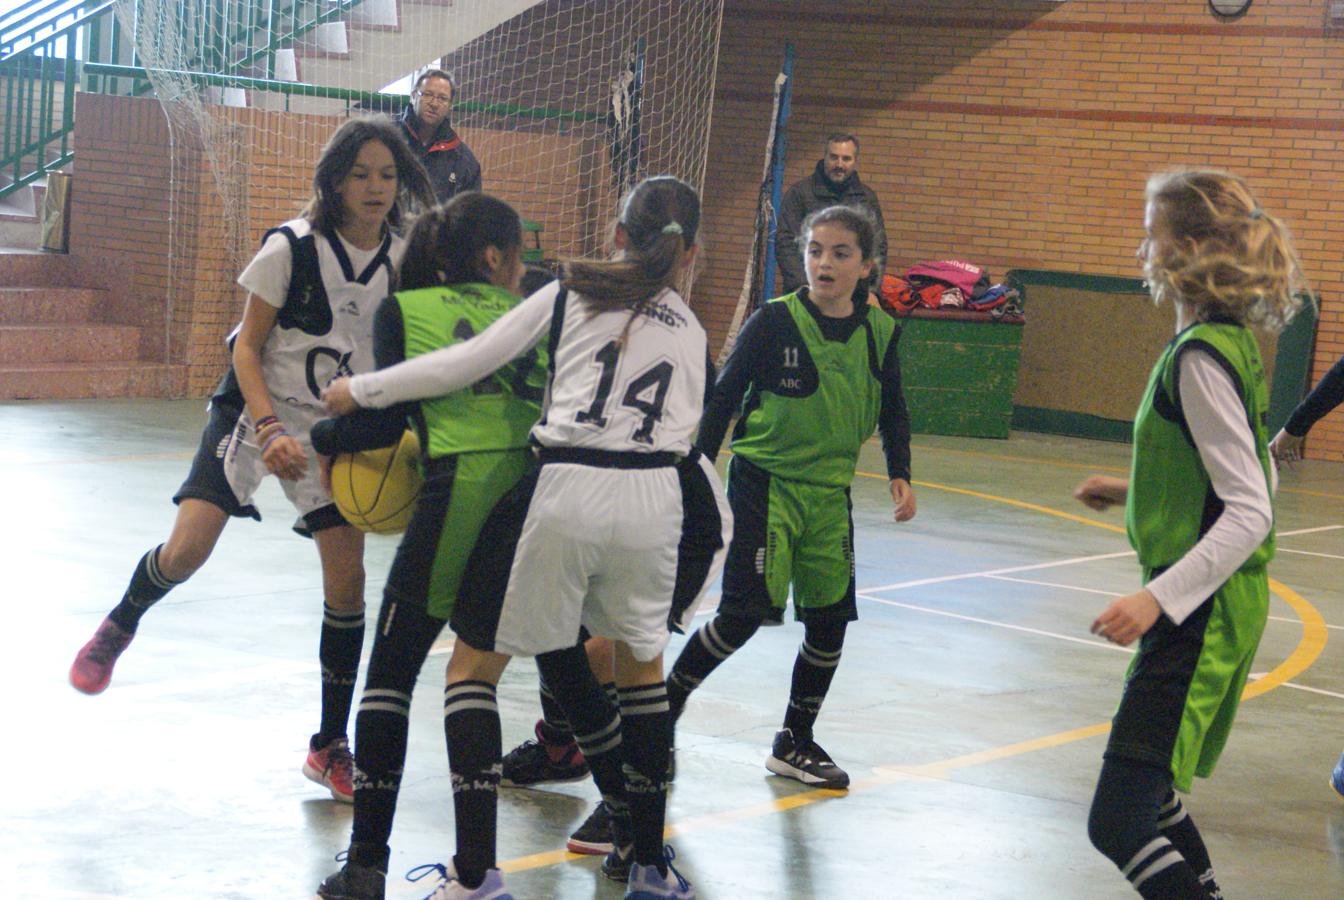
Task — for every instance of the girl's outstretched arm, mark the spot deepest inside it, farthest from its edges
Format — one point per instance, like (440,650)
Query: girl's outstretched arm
(451,368)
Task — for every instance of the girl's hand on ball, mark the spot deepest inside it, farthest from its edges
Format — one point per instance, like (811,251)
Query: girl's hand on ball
(284,457)
(337,398)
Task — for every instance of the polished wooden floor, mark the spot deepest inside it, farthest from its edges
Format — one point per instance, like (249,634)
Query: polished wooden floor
(970,708)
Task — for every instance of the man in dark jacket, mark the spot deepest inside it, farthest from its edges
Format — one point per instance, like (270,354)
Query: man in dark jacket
(834,182)
(452,166)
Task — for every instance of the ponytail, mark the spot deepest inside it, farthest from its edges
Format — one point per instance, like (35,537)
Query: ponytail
(660,218)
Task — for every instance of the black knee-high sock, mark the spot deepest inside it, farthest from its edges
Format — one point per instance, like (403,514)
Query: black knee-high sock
(338,651)
(471,727)
(818,658)
(555,726)
(148,586)
(1122,824)
(645,728)
(403,639)
(1177,826)
(703,653)
(596,720)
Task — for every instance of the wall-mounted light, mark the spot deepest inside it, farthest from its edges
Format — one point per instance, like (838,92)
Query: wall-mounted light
(1229,9)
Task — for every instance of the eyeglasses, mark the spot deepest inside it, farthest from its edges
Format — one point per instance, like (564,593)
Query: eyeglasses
(438,98)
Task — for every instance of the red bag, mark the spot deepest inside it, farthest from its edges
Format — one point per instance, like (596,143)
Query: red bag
(896,295)
(899,296)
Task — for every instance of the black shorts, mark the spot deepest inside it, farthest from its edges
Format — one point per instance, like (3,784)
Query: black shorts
(207,480)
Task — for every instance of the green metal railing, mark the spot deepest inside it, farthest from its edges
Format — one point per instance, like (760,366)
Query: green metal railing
(45,45)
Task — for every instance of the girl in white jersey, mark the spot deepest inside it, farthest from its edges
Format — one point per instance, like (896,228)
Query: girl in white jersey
(624,524)
(312,290)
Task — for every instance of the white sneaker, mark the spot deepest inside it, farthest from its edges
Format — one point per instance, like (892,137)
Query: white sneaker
(647,883)
(449,888)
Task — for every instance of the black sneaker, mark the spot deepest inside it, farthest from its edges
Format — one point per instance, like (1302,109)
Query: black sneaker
(541,761)
(617,864)
(593,837)
(805,761)
(353,883)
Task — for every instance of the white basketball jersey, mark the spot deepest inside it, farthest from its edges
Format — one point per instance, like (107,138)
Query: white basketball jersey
(324,330)
(626,384)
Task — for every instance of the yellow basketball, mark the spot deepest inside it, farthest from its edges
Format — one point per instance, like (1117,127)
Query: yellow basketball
(376,490)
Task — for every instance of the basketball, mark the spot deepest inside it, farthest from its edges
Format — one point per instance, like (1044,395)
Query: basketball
(376,490)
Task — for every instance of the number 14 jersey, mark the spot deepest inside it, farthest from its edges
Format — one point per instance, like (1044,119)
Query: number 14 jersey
(624,380)
(621,380)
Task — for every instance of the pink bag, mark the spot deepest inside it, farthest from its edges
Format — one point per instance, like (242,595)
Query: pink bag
(971,279)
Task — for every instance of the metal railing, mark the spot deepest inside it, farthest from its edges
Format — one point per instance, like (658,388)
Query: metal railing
(46,45)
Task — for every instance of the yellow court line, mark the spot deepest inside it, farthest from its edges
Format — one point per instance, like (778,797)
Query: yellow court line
(1313,641)
(1009,501)
(1052,463)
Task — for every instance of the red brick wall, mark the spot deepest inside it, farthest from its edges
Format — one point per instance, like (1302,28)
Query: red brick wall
(1019,134)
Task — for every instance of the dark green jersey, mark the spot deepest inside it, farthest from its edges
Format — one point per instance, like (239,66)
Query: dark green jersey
(496,413)
(1171,500)
(811,401)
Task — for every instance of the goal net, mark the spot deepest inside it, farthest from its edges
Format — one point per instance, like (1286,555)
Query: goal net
(566,103)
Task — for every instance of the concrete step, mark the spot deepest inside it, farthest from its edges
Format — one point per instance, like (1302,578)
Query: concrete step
(96,381)
(76,342)
(50,306)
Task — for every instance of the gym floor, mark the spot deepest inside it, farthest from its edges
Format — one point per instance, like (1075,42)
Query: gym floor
(970,709)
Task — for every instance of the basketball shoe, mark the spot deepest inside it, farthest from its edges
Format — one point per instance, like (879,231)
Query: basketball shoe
(449,888)
(92,669)
(1337,777)
(647,883)
(332,766)
(622,856)
(594,835)
(354,881)
(805,761)
(542,760)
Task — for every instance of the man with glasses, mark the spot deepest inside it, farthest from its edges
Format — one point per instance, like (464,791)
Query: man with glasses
(451,164)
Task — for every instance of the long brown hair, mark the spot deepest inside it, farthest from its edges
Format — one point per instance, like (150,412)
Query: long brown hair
(325,211)
(660,218)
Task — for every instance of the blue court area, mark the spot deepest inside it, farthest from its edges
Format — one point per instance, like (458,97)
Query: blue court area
(970,707)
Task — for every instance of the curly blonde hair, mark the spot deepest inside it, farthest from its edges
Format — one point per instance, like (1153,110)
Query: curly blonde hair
(1215,249)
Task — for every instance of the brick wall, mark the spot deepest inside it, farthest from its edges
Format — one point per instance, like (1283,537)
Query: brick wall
(1019,133)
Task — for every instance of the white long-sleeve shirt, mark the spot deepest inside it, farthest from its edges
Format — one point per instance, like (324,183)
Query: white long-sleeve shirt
(1226,445)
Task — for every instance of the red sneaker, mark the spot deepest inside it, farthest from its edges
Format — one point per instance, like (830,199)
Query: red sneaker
(92,669)
(333,767)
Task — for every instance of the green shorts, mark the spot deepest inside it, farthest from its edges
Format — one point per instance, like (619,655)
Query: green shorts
(788,533)
(458,494)
(1184,685)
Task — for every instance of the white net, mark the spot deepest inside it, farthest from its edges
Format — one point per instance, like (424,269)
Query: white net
(565,103)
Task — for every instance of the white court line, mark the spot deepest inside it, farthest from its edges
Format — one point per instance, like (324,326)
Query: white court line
(951,615)
(1293,621)
(920,582)
(1067,587)
(1310,553)
(1310,530)
(1256,676)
